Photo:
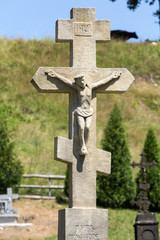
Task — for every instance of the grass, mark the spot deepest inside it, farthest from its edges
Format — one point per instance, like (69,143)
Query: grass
(35,119)
(120,221)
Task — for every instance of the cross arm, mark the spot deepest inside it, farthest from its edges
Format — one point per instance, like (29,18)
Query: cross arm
(65,80)
(133,164)
(115,75)
(64,30)
(44,83)
(4,196)
(102,30)
(103,162)
(63,150)
(113,86)
(15,196)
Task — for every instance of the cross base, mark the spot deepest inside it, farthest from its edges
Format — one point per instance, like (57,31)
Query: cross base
(8,218)
(146,227)
(82,223)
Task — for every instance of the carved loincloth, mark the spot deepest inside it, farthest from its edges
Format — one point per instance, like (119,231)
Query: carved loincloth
(84,112)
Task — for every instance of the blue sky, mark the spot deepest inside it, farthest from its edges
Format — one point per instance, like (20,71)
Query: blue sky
(30,19)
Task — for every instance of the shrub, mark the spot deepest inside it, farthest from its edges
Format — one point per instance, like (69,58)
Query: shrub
(117,189)
(10,167)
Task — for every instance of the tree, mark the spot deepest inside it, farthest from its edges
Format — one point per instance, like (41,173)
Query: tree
(133,4)
(10,167)
(152,150)
(117,189)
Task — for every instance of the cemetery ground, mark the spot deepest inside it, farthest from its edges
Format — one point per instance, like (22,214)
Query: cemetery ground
(34,119)
(43,214)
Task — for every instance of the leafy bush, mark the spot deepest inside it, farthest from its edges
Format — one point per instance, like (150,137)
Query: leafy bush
(117,189)
(10,167)
(152,150)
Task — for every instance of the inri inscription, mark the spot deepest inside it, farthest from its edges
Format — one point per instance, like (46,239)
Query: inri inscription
(83,29)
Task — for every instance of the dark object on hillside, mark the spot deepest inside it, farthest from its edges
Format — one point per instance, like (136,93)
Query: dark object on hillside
(146,224)
(122,35)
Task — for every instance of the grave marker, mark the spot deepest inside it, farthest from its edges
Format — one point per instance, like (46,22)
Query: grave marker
(146,224)
(82,81)
(7,214)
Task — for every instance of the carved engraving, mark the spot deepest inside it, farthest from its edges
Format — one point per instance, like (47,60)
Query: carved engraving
(83,29)
(148,235)
(85,232)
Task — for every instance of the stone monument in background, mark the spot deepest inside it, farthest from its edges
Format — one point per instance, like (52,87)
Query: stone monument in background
(82,80)
(146,224)
(7,214)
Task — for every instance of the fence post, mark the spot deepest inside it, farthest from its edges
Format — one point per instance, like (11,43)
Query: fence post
(49,185)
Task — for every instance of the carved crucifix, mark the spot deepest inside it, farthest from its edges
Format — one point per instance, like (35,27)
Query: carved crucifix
(82,80)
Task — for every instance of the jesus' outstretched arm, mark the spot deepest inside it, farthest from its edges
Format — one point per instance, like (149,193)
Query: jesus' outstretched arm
(114,75)
(53,74)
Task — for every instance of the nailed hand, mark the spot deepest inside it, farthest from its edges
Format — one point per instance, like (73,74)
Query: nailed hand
(116,74)
(51,73)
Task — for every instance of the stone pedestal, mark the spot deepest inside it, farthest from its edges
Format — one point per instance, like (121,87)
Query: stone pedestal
(83,223)
(8,218)
(146,227)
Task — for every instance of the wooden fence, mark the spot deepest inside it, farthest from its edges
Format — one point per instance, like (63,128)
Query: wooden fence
(49,186)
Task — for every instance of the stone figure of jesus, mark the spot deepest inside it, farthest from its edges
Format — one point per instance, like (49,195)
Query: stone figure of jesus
(84,111)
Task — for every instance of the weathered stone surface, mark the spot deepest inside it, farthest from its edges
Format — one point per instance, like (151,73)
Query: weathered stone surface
(82,81)
(7,214)
(6,200)
(146,227)
(44,83)
(75,224)
(83,31)
(82,170)
(8,218)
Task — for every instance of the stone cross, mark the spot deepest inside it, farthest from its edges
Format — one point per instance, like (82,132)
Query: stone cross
(146,224)
(7,199)
(82,80)
(143,165)
(143,202)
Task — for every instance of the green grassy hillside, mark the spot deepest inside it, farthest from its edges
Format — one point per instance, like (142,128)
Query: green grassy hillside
(35,118)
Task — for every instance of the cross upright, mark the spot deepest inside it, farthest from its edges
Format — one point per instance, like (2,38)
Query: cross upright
(82,30)
(82,80)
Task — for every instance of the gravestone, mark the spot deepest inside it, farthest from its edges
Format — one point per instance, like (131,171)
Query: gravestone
(7,214)
(146,224)
(82,80)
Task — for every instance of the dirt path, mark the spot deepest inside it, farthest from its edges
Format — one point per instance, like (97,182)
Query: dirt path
(43,214)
